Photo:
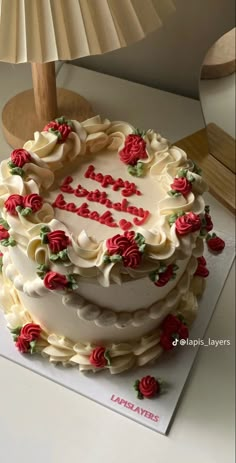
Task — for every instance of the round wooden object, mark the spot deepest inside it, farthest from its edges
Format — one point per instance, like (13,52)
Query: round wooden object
(220,60)
(19,119)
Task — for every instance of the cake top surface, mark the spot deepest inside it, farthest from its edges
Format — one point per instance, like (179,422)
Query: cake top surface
(101,200)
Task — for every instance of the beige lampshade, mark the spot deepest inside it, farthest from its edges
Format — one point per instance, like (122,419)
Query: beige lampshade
(49,30)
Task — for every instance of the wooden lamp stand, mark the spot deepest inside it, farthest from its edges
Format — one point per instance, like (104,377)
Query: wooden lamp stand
(30,111)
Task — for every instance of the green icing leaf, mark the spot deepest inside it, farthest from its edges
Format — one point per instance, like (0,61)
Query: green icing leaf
(107,357)
(72,282)
(139,132)
(4,224)
(16,331)
(140,395)
(140,240)
(136,385)
(17,171)
(11,164)
(196,169)
(190,177)
(162,268)
(33,346)
(172,219)
(26,211)
(173,193)
(115,258)
(8,242)
(63,255)
(106,259)
(137,170)
(207,209)
(55,132)
(182,173)
(42,270)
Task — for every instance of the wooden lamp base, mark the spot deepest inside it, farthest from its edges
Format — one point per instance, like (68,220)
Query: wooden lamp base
(20,121)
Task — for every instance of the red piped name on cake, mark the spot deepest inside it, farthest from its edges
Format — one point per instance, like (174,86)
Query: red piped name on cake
(99,196)
(135,409)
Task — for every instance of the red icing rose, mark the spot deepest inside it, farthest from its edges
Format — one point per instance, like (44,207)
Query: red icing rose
(12,202)
(134,150)
(22,345)
(187,223)
(149,386)
(33,201)
(172,327)
(171,324)
(125,246)
(166,341)
(201,270)
(209,224)
(201,260)
(164,277)
(3,233)
(57,241)
(117,244)
(183,332)
(132,256)
(215,243)
(64,130)
(182,185)
(97,357)
(20,157)
(54,280)
(30,332)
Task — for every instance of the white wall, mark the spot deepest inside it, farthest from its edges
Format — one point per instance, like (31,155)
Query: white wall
(171,58)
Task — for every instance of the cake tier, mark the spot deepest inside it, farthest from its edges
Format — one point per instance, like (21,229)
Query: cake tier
(102,227)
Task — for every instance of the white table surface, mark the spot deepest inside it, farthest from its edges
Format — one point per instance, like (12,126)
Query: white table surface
(43,422)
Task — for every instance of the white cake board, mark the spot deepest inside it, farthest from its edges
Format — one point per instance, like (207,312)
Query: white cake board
(173,367)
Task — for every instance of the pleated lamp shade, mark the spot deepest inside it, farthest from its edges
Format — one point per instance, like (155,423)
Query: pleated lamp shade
(44,31)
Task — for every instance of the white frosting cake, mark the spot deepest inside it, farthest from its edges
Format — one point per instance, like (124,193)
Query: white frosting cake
(102,240)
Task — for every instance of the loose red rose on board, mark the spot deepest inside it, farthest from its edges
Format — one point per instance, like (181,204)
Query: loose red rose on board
(22,345)
(57,241)
(97,357)
(134,150)
(182,185)
(149,386)
(54,280)
(215,243)
(187,223)
(30,332)
(3,233)
(20,157)
(12,202)
(33,201)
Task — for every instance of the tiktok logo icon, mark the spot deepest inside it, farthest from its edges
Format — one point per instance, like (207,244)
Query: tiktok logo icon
(175,342)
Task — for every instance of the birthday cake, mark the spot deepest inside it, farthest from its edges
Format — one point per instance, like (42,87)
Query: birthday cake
(101,238)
